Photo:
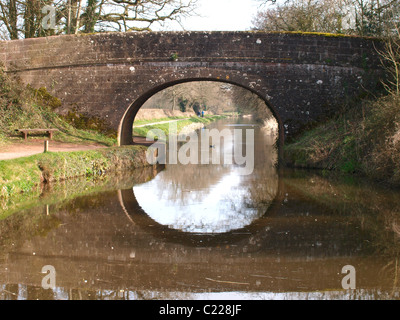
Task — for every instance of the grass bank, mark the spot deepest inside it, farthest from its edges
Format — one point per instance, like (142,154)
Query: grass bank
(25,107)
(58,194)
(363,139)
(151,121)
(180,125)
(27,175)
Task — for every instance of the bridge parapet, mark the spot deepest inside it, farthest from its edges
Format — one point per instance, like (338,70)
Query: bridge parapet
(103,48)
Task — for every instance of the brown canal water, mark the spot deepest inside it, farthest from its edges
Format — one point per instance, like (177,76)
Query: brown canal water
(204,232)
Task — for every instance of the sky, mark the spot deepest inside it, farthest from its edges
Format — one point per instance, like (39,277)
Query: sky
(220,15)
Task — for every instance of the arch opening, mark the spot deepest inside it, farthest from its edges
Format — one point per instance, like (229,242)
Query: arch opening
(125,132)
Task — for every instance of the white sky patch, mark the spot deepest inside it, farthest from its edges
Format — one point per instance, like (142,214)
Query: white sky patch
(218,15)
(218,209)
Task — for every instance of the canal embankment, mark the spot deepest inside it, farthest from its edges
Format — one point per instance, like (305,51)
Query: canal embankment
(363,139)
(173,125)
(28,174)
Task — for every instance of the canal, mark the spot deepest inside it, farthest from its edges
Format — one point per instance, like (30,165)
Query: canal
(205,231)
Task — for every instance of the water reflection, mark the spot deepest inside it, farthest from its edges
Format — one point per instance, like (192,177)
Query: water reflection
(104,245)
(225,205)
(213,198)
(23,292)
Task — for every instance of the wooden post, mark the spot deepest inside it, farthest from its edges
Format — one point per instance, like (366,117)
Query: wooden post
(46,146)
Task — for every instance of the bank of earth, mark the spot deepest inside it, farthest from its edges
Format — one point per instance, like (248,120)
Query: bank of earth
(363,139)
(26,174)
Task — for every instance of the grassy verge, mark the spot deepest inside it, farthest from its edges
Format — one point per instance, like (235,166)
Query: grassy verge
(364,139)
(26,175)
(165,127)
(145,122)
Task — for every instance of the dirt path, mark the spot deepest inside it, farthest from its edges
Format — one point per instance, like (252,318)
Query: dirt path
(32,147)
(25,149)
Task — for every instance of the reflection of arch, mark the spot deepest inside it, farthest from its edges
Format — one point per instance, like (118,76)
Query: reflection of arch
(125,128)
(139,217)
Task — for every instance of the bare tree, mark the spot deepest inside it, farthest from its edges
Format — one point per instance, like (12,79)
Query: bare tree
(23,18)
(9,17)
(303,15)
(361,17)
(140,15)
(247,102)
(210,96)
(390,59)
(370,17)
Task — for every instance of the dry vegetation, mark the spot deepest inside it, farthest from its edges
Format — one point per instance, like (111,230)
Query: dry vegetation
(365,139)
(25,107)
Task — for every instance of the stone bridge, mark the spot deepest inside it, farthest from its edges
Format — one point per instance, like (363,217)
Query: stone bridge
(303,78)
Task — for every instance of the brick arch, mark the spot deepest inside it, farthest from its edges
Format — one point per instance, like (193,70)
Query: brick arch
(125,128)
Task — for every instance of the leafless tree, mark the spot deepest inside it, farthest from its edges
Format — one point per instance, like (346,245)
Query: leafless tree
(390,59)
(208,95)
(361,17)
(139,15)
(303,15)
(23,18)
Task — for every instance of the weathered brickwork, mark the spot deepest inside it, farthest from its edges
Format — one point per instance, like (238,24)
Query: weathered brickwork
(302,77)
